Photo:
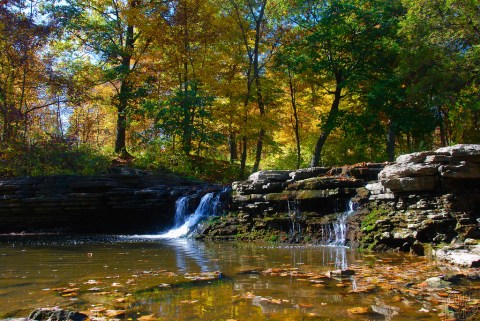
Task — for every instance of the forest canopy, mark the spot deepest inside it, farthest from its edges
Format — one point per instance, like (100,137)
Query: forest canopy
(220,88)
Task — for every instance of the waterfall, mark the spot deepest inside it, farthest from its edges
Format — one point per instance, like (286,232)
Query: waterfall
(185,223)
(295,215)
(336,234)
(181,210)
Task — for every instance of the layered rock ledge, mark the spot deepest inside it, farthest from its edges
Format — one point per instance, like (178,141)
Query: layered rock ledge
(424,202)
(292,206)
(126,201)
(427,199)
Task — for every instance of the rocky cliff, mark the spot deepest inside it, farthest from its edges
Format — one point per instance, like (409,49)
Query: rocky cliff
(426,198)
(421,202)
(126,201)
(293,206)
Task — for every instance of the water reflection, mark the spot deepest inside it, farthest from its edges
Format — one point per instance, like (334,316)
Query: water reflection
(188,251)
(245,293)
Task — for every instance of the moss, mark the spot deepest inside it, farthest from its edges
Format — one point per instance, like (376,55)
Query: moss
(314,194)
(283,196)
(370,221)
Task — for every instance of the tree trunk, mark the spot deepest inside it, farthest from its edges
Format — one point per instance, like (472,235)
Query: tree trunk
(232,147)
(328,126)
(120,145)
(391,141)
(256,76)
(124,95)
(243,159)
(295,117)
(258,152)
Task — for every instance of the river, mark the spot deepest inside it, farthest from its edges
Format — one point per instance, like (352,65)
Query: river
(137,278)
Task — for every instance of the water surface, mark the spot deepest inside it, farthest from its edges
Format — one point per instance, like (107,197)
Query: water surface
(163,279)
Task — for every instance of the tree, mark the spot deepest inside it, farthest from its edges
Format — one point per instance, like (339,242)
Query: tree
(25,73)
(110,32)
(340,44)
(440,64)
(261,39)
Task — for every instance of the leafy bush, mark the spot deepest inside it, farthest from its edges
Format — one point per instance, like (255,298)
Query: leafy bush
(51,156)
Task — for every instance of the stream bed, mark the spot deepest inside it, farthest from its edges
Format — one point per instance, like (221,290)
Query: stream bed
(144,278)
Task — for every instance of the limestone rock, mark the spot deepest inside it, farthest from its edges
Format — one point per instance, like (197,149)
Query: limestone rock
(463,170)
(436,283)
(310,172)
(470,152)
(410,184)
(271,176)
(414,157)
(468,256)
(56,314)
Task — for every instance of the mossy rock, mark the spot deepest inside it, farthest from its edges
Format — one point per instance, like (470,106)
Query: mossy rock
(325,182)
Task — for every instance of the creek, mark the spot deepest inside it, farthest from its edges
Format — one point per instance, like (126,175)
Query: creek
(176,279)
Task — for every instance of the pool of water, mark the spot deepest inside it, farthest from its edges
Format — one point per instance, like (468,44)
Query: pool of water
(140,278)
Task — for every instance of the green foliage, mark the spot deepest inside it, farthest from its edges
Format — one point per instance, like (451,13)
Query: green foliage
(161,157)
(51,156)
(369,222)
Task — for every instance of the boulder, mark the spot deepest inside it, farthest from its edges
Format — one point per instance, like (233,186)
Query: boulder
(410,184)
(464,170)
(435,283)
(270,176)
(56,314)
(470,152)
(467,256)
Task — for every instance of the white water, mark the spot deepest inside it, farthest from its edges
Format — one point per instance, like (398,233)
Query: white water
(336,234)
(185,224)
(181,210)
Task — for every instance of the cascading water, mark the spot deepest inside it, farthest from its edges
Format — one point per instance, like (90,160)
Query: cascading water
(181,210)
(336,234)
(210,205)
(294,214)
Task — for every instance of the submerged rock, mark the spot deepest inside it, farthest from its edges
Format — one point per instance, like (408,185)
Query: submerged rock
(468,255)
(341,273)
(56,314)
(435,283)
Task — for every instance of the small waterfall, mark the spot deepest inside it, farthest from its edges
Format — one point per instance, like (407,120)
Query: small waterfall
(185,223)
(295,215)
(181,210)
(336,233)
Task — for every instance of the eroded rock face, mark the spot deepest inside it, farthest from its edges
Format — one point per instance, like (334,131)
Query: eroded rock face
(317,189)
(301,204)
(125,201)
(427,197)
(432,171)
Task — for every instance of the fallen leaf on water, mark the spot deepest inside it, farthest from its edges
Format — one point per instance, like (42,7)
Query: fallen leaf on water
(102,293)
(149,317)
(188,301)
(358,310)
(97,310)
(114,313)
(92,282)
(164,285)
(305,305)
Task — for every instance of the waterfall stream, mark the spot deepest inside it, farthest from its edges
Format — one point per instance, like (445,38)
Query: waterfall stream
(336,233)
(186,223)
